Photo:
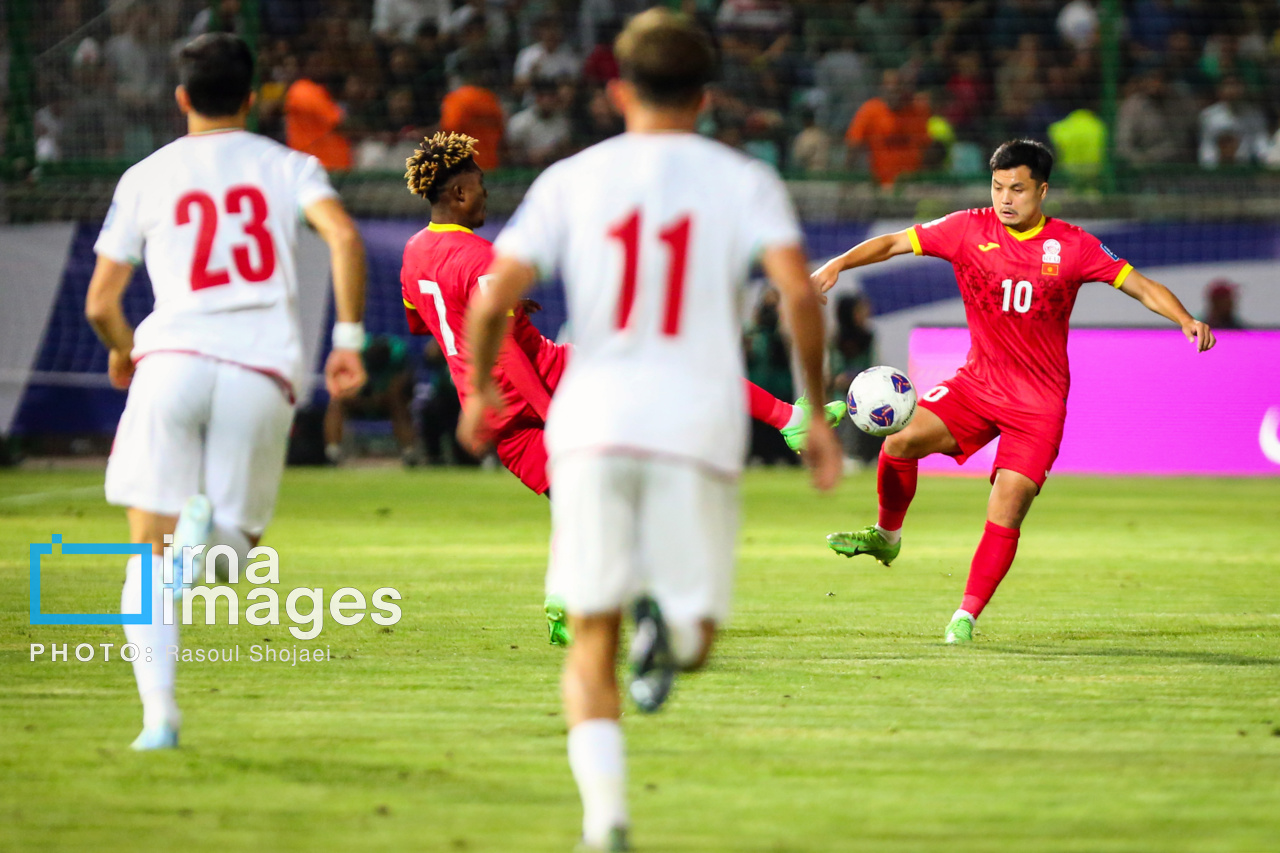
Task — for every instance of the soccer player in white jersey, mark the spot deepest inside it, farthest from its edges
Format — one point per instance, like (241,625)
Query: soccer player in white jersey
(653,232)
(212,371)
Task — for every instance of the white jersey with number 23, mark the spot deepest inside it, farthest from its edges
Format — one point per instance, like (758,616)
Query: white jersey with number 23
(215,217)
(654,235)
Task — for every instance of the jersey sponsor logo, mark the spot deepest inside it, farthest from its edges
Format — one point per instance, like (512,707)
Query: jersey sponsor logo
(1110,254)
(987,247)
(1052,252)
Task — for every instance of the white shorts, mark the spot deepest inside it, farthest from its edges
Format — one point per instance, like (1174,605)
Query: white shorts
(197,425)
(623,526)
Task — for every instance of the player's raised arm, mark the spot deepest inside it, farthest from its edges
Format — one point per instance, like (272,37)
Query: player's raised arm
(486,325)
(1158,298)
(786,268)
(344,371)
(871,251)
(103,310)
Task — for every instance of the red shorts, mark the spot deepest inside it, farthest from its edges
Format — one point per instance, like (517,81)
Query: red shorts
(522,452)
(1028,440)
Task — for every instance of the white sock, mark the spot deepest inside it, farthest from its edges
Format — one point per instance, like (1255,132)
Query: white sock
(966,614)
(599,767)
(155,667)
(797,417)
(893,537)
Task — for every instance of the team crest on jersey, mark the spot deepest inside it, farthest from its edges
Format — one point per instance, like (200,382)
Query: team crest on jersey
(1110,254)
(1052,252)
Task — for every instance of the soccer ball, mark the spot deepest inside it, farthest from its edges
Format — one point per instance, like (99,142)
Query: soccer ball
(881,400)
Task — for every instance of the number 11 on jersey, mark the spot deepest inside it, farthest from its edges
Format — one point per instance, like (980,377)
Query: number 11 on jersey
(676,236)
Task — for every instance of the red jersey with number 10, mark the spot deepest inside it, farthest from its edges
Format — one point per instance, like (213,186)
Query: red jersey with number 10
(443,267)
(1018,290)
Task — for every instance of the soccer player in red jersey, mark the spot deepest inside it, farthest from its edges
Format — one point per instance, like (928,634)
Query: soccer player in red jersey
(444,265)
(1019,273)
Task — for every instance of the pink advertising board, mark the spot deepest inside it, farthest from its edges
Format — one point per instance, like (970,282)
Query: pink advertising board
(1143,401)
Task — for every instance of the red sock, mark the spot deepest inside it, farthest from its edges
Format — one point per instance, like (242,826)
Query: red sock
(766,407)
(991,563)
(896,485)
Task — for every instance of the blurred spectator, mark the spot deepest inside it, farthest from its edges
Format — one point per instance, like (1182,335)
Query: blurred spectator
(1223,58)
(811,149)
(401,20)
(967,93)
(1152,23)
(883,27)
(388,149)
(547,59)
(599,121)
(384,397)
(223,16)
(540,134)
(601,65)
(1014,18)
(1019,77)
(769,18)
(313,117)
(1232,132)
(893,129)
(474,109)
(768,356)
(93,128)
(853,351)
(1080,143)
(843,81)
(1182,66)
(474,52)
(1153,126)
(1220,304)
(1078,24)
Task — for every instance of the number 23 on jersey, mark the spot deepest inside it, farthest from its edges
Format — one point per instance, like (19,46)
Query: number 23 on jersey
(199,207)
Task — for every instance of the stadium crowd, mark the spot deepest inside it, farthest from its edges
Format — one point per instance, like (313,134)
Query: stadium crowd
(889,87)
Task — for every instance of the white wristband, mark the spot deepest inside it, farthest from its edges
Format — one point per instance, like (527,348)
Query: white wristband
(348,336)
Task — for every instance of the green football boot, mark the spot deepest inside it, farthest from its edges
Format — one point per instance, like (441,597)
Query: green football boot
(868,541)
(557,621)
(795,436)
(959,629)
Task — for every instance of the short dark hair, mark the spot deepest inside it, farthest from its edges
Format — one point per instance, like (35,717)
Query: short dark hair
(216,69)
(667,57)
(1036,156)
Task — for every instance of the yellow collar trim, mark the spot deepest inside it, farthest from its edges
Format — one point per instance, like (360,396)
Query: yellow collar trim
(433,226)
(1028,234)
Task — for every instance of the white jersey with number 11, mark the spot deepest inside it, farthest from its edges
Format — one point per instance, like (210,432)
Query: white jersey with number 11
(654,235)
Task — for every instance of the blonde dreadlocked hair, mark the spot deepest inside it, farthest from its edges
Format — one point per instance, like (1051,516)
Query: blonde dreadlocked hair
(439,158)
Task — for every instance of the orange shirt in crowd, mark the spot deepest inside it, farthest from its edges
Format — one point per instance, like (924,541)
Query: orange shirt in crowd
(311,120)
(896,140)
(475,111)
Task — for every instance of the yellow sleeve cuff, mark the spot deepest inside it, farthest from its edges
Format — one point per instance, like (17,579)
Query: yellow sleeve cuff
(1124,273)
(407,303)
(915,240)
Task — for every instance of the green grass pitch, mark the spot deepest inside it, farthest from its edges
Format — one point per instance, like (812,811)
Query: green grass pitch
(1123,694)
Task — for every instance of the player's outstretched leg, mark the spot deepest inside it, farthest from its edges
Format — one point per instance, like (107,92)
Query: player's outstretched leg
(557,620)
(653,662)
(796,432)
(154,667)
(896,487)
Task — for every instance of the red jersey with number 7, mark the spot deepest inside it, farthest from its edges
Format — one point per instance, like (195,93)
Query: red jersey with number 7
(444,265)
(1018,290)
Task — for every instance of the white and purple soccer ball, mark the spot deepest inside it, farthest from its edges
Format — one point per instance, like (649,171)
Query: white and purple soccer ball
(881,400)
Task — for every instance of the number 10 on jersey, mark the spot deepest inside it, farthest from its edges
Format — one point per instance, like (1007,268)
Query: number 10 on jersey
(676,236)
(1019,296)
